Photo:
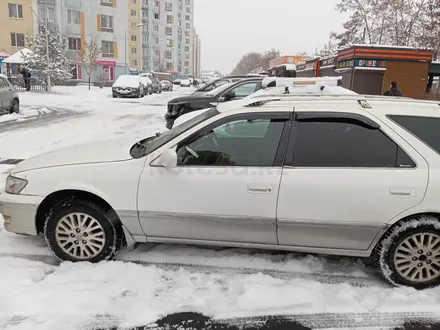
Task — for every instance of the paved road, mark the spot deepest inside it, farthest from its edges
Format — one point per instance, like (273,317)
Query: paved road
(42,116)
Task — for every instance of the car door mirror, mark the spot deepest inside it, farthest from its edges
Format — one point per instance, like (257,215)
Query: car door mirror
(168,159)
(229,95)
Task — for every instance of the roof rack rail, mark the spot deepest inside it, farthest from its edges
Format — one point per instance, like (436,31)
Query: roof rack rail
(259,103)
(300,81)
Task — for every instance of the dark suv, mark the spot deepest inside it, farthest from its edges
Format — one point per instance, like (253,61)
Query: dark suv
(221,81)
(224,93)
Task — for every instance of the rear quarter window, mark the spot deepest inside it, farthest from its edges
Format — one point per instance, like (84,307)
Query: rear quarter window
(426,129)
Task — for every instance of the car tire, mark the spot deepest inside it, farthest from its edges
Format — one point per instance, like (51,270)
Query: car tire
(138,95)
(409,253)
(15,107)
(76,243)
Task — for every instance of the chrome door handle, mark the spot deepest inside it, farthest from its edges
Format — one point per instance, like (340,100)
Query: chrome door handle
(401,192)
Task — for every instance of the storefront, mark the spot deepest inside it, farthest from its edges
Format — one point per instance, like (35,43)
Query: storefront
(108,69)
(3,66)
(285,66)
(328,66)
(433,86)
(309,68)
(301,69)
(371,69)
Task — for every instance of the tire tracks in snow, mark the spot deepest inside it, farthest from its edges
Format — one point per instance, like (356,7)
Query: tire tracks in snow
(195,321)
(372,279)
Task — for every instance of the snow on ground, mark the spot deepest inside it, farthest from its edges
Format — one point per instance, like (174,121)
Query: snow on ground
(44,295)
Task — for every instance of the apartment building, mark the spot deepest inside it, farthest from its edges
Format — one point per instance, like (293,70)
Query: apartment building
(197,55)
(16,23)
(167,35)
(139,35)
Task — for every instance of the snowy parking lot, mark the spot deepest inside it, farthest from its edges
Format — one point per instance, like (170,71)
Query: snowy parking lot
(233,288)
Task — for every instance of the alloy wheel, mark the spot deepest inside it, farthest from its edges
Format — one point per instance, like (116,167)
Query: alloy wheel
(417,257)
(80,236)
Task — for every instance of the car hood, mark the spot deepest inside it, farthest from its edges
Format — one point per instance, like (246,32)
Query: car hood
(111,150)
(191,98)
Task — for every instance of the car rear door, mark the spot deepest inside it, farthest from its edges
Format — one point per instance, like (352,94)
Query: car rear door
(3,89)
(7,94)
(225,187)
(345,177)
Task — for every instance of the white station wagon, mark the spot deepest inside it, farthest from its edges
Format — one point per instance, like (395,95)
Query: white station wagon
(342,175)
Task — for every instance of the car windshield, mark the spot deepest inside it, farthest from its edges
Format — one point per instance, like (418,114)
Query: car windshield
(219,89)
(177,130)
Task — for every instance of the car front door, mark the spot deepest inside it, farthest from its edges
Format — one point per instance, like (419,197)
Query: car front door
(225,186)
(344,179)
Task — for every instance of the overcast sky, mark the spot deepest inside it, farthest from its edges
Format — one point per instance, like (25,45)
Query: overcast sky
(231,28)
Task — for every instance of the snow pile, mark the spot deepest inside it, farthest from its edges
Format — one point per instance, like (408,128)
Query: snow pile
(18,57)
(125,81)
(136,295)
(25,113)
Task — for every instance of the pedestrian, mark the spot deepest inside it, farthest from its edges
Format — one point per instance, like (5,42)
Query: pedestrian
(393,91)
(26,77)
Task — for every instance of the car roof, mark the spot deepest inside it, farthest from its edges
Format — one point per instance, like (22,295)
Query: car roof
(375,105)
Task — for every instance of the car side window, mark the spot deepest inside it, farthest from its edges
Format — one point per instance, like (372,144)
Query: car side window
(219,83)
(339,143)
(3,83)
(235,143)
(244,90)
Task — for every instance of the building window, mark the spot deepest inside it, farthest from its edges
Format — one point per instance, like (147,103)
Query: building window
(168,31)
(134,62)
(133,25)
(73,17)
(188,10)
(156,28)
(168,6)
(187,2)
(156,15)
(146,2)
(47,13)
(15,10)
(107,2)
(145,38)
(17,39)
(144,13)
(156,40)
(133,50)
(108,49)
(186,63)
(188,26)
(133,37)
(187,48)
(170,43)
(187,41)
(168,54)
(169,66)
(133,12)
(107,22)
(187,17)
(187,33)
(169,19)
(74,43)
(156,3)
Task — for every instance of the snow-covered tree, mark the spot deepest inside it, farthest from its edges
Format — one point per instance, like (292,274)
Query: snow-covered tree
(57,67)
(87,57)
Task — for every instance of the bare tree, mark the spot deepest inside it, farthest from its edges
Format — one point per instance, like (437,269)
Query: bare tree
(87,57)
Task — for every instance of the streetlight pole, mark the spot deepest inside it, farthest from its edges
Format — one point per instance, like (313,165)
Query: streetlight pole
(46,19)
(126,46)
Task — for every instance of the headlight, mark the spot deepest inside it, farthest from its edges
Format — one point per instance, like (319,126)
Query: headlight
(15,185)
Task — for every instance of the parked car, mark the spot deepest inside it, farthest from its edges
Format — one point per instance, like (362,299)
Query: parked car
(349,175)
(9,99)
(185,83)
(128,86)
(166,85)
(148,85)
(157,87)
(223,93)
(221,81)
(177,81)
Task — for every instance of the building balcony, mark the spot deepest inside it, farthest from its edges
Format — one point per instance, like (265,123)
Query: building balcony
(145,20)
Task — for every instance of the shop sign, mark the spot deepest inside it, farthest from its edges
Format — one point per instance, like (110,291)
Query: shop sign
(345,64)
(370,64)
(300,66)
(105,62)
(328,61)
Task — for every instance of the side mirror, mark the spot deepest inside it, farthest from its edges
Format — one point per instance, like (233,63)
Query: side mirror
(229,95)
(168,159)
